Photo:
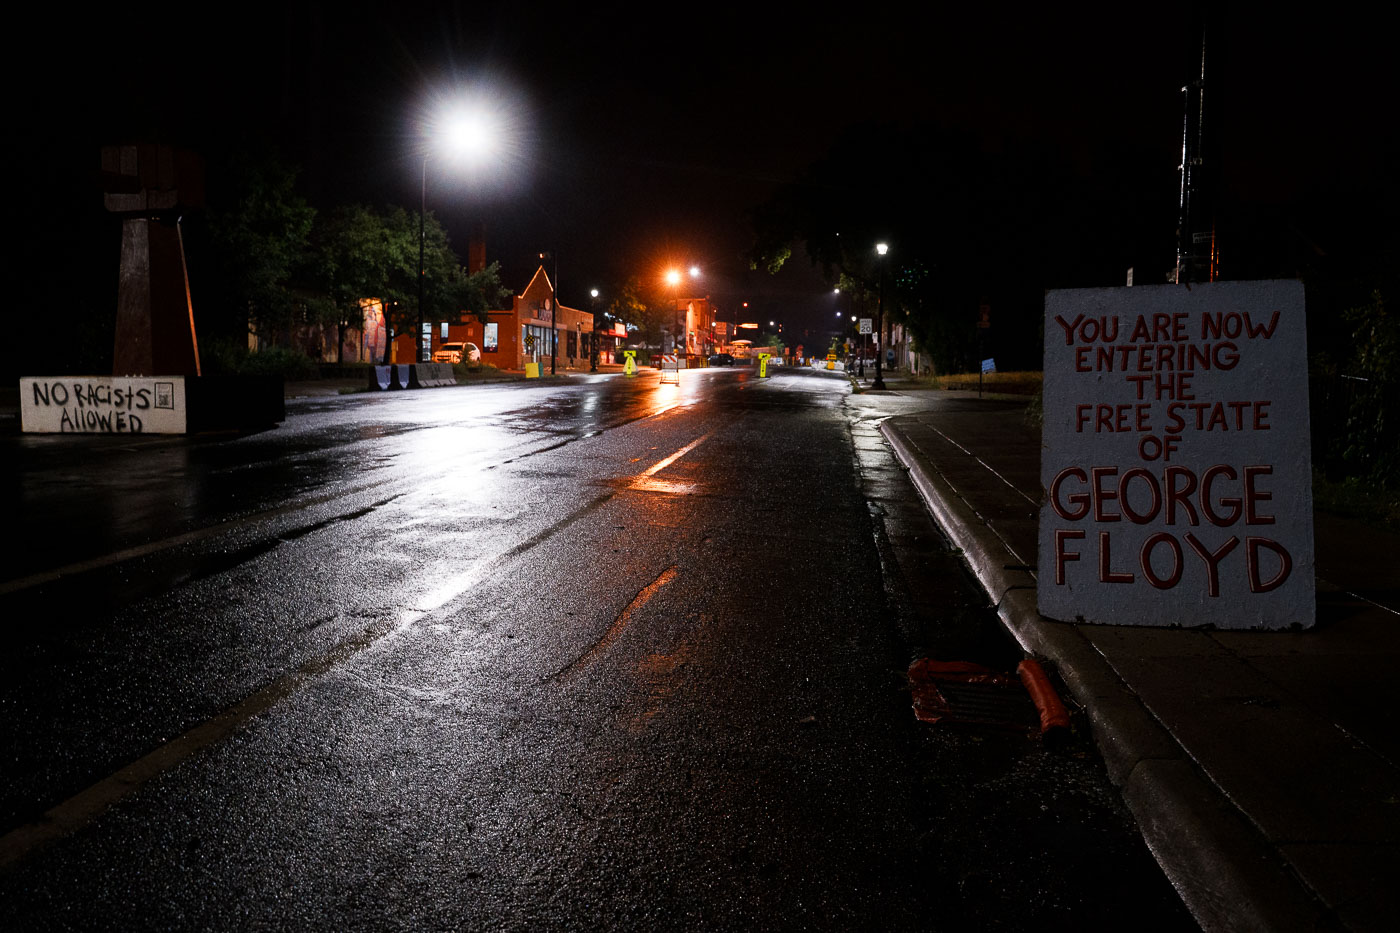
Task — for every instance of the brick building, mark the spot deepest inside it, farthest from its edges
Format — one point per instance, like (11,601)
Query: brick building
(511,338)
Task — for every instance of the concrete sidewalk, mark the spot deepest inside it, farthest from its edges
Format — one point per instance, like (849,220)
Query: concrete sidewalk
(1263,767)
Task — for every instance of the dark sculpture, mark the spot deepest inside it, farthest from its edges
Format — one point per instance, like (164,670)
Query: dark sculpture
(151,187)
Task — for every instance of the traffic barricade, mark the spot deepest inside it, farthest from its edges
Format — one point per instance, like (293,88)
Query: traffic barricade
(383,378)
(431,375)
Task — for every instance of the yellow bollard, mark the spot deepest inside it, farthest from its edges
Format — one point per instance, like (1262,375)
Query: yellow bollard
(763,365)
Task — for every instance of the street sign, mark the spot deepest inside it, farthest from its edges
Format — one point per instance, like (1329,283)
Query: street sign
(867,325)
(989,366)
(1175,457)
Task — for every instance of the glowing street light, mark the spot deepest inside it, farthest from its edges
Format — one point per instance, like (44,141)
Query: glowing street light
(593,335)
(674,277)
(467,132)
(879,383)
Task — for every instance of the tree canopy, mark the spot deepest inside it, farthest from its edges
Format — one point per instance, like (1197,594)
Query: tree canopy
(260,238)
(277,264)
(965,224)
(645,309)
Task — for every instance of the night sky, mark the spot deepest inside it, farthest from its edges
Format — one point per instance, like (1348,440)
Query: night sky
(645,133)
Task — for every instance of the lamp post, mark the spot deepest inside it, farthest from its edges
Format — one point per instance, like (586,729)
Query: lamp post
(860,364)
(422,272)
(879,383)
(674,279)
(593,334)
(553,311)
(685,328)
(461,132)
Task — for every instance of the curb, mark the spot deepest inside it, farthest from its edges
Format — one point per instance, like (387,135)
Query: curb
(1228,876)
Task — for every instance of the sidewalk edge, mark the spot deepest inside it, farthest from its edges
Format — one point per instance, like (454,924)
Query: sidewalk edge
(1228,876)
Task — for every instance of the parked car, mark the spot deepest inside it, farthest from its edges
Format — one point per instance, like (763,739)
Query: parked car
(457,352)
(721,359)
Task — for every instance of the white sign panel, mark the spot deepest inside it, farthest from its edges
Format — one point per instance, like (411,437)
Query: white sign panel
(867,325)
(102,404)
(1175,457)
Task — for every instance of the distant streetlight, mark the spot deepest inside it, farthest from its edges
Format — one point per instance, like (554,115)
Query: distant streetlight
(593,335)
(674,278)
(879,383)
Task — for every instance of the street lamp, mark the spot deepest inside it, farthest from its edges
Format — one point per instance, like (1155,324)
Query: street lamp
(593,334)
(879,383)
(470,133)
(553,311)
(673,278)
(855,319)
(422,271)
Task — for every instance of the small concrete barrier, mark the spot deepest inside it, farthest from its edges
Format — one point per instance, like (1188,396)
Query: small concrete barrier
(383,378)
(431,375)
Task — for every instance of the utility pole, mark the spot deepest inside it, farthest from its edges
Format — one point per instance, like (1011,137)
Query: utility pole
(879,383)
(1196,254)
(422,272)
(554,319)
(553,311)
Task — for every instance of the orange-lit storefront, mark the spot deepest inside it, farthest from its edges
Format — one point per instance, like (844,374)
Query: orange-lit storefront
(510,339)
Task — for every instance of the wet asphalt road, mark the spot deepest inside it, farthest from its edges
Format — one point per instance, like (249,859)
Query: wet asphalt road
(595,656)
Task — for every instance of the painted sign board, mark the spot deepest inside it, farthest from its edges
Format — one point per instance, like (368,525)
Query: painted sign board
(1175,457)
(103,405)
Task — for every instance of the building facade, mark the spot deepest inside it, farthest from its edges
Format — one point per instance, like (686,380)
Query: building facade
(528,331)
(697,317)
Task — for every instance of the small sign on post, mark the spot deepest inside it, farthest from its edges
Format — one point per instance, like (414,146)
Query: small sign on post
(988,366)
(1175,457)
